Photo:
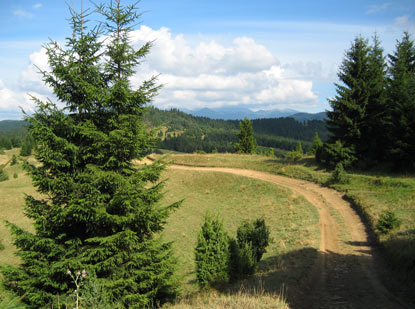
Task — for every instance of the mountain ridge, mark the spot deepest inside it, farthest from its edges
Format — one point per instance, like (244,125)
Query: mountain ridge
(231,113)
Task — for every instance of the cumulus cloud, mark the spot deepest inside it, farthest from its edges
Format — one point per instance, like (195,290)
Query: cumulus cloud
(30,78)
(11,102)
(37,6)
(205,74)
(210,74)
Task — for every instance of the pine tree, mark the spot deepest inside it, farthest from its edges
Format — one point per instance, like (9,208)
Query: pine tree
(246,141)
(372,148)
(316,145)
(99,212)
(349,108)
(401,103)
(27,146)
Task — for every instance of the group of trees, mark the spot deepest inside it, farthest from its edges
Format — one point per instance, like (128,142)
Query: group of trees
(373,114)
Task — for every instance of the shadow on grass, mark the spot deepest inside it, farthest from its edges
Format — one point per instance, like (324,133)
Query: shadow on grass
(400,254)
(335,281)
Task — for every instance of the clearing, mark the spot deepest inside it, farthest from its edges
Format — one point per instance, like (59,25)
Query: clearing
(346,272)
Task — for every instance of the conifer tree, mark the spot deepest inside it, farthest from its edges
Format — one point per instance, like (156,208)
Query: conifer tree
(401,103)
(349,105)
(246,140)
(316,144)
(98,210)
(372,144)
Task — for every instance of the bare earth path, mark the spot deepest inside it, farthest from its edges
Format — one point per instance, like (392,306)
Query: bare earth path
(345,274)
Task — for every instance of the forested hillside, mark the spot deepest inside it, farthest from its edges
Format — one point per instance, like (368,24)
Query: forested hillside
(12,133)
(186,133)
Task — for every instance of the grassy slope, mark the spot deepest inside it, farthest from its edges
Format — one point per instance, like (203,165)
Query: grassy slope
(292,220)
(371,194)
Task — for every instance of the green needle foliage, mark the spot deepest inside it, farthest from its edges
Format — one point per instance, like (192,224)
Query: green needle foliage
(401,107)
(98,211)
(212,253)
(246,140)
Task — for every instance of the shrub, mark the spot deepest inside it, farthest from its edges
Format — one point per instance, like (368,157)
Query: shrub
(15,175)
(339,175)
(3,174)
(293,155)
(14,160)
(1,246)
(255,233)
(243,259)
(387,222)
(212,253)
(247,250)
(332,154)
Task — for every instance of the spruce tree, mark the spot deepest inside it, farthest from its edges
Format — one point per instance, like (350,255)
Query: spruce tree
(316,144)
(26,149)
(372,145)
(246,140)
(349,108)
(401,103)
(98,211)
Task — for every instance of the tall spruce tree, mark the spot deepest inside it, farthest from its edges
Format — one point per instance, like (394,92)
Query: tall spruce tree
(246,140)
(401,103)
(372,147)
(354,109)
(98,211)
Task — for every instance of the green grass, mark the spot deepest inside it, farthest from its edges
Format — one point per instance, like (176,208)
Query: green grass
(293,223)
(370,193)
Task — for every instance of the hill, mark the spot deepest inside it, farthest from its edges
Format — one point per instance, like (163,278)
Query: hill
(187,133)
(238,113)
(307,116)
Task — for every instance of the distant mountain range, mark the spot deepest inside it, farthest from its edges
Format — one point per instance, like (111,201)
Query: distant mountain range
(237,113)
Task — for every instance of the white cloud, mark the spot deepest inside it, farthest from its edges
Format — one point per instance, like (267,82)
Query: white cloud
(205,74)
(405,22)
(376,8)
(30,78)
(175,55)
(22,13)
(37,6)
(13,102)
(208,74)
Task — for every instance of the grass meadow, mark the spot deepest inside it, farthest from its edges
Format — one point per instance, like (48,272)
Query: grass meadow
(371,193)
(293,224)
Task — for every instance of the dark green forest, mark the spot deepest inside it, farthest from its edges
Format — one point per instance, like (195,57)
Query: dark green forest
(186,133)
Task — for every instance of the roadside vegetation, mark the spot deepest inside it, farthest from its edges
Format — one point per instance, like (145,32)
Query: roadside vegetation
(371,193)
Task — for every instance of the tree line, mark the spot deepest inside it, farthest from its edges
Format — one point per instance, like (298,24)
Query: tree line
(372,120)
(188,133)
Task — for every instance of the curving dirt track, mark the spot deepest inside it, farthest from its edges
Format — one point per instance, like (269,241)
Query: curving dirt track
(346,273)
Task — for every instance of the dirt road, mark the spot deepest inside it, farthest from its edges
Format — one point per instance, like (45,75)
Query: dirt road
(345,274)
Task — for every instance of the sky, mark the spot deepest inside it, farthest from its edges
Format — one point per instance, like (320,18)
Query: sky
(261,55)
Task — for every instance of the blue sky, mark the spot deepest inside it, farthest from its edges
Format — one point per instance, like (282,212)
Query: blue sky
(257,54)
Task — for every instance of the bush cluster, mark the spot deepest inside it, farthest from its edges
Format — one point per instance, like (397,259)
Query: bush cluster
(220,258)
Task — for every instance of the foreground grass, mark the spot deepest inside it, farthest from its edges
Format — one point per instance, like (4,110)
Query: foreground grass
(293,224)
(371,194)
